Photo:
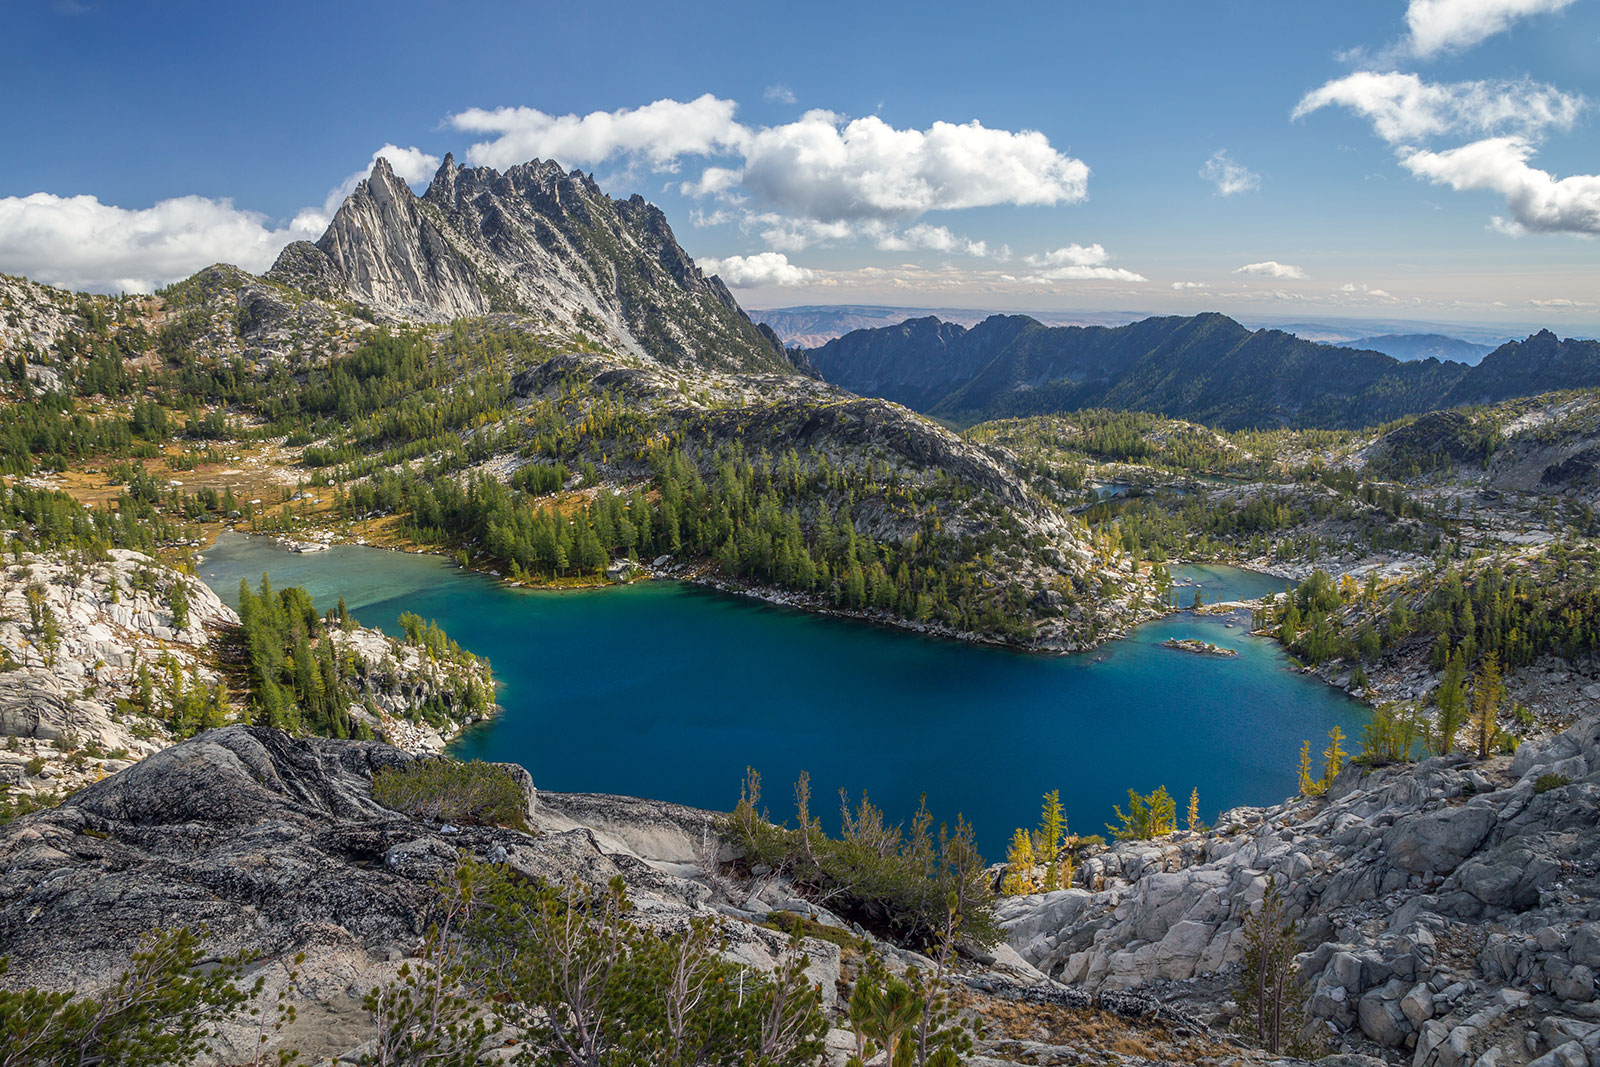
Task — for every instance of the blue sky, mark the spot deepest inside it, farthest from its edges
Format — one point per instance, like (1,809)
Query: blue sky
(1133,156)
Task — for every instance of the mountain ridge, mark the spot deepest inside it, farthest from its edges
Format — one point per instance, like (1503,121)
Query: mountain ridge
(536,241)
(1206,367)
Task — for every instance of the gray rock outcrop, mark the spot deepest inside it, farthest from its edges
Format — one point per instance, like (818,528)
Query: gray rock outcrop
(276,846)
(1448,906)
(536,241)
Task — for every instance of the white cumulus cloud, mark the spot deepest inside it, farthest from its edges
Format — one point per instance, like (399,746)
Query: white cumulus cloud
(1271,268)
(1183,286)
(1404,108)
(823,178)
(1230,177)
(762,268)
(1537,200)
(1451,25)
(410,165)
(823,166)
(933,239)
(1073,255)
(826,167)
(1075,263)
(80,243)
(660,132)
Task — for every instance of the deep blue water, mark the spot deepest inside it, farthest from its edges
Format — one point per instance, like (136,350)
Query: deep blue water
(664,690)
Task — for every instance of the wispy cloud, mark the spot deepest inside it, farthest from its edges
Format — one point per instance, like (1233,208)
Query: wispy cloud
(1404,109)
(1229,176)
(1407,111)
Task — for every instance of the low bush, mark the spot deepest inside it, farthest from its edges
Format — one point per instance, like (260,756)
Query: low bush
(1546,782)
(579,983)
(447,790)
(903,881)
(164,1009)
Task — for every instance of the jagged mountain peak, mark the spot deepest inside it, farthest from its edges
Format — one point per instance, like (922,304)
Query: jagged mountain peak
(538,241)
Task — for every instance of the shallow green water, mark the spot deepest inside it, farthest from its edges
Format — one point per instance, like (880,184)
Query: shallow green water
(664,690)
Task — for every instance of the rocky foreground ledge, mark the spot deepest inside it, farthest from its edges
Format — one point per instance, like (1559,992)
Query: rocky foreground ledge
(276,846)
(1450,911)
(1451,908)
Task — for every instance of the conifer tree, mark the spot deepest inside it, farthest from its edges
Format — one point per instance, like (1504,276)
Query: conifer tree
(1487,692)
(1019,865)
(178,599)
(1195,825)
(1048,838)
(1332,757)
(1269,991)
(1451,699)
(1308,784)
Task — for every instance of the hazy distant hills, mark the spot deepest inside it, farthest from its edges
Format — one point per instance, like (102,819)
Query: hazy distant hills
(812,326)
(1207,368)
(1413,346)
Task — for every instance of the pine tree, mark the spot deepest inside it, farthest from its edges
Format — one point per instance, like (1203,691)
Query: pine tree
(178,599)
(1269,991)
(1487,692)
(1332,757)
(1308,784)
(1195,825)
(1019,865)
(1048,838)
(1451,699)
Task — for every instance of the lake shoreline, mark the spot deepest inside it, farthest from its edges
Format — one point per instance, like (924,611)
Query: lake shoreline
(670,689)
(699,575)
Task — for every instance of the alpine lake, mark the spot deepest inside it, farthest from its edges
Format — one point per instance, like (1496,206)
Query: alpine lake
(666,690)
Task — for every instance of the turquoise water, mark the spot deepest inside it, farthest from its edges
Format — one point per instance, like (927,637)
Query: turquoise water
(1220,583)
(668,691)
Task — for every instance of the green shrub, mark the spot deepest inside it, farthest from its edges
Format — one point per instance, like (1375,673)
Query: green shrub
(580,983)
(164,1009)
(35,766)
(1148,816)
(904,881)
(447,790)
(24,804)
(1546,782)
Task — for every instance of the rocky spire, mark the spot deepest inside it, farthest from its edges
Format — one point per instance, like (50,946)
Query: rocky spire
(536,241)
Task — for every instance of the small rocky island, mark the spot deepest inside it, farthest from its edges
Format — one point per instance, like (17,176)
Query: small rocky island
(1194,644)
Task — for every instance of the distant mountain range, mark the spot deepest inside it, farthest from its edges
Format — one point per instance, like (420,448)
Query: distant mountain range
(1413,346)
(811,326)
(1207,368)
